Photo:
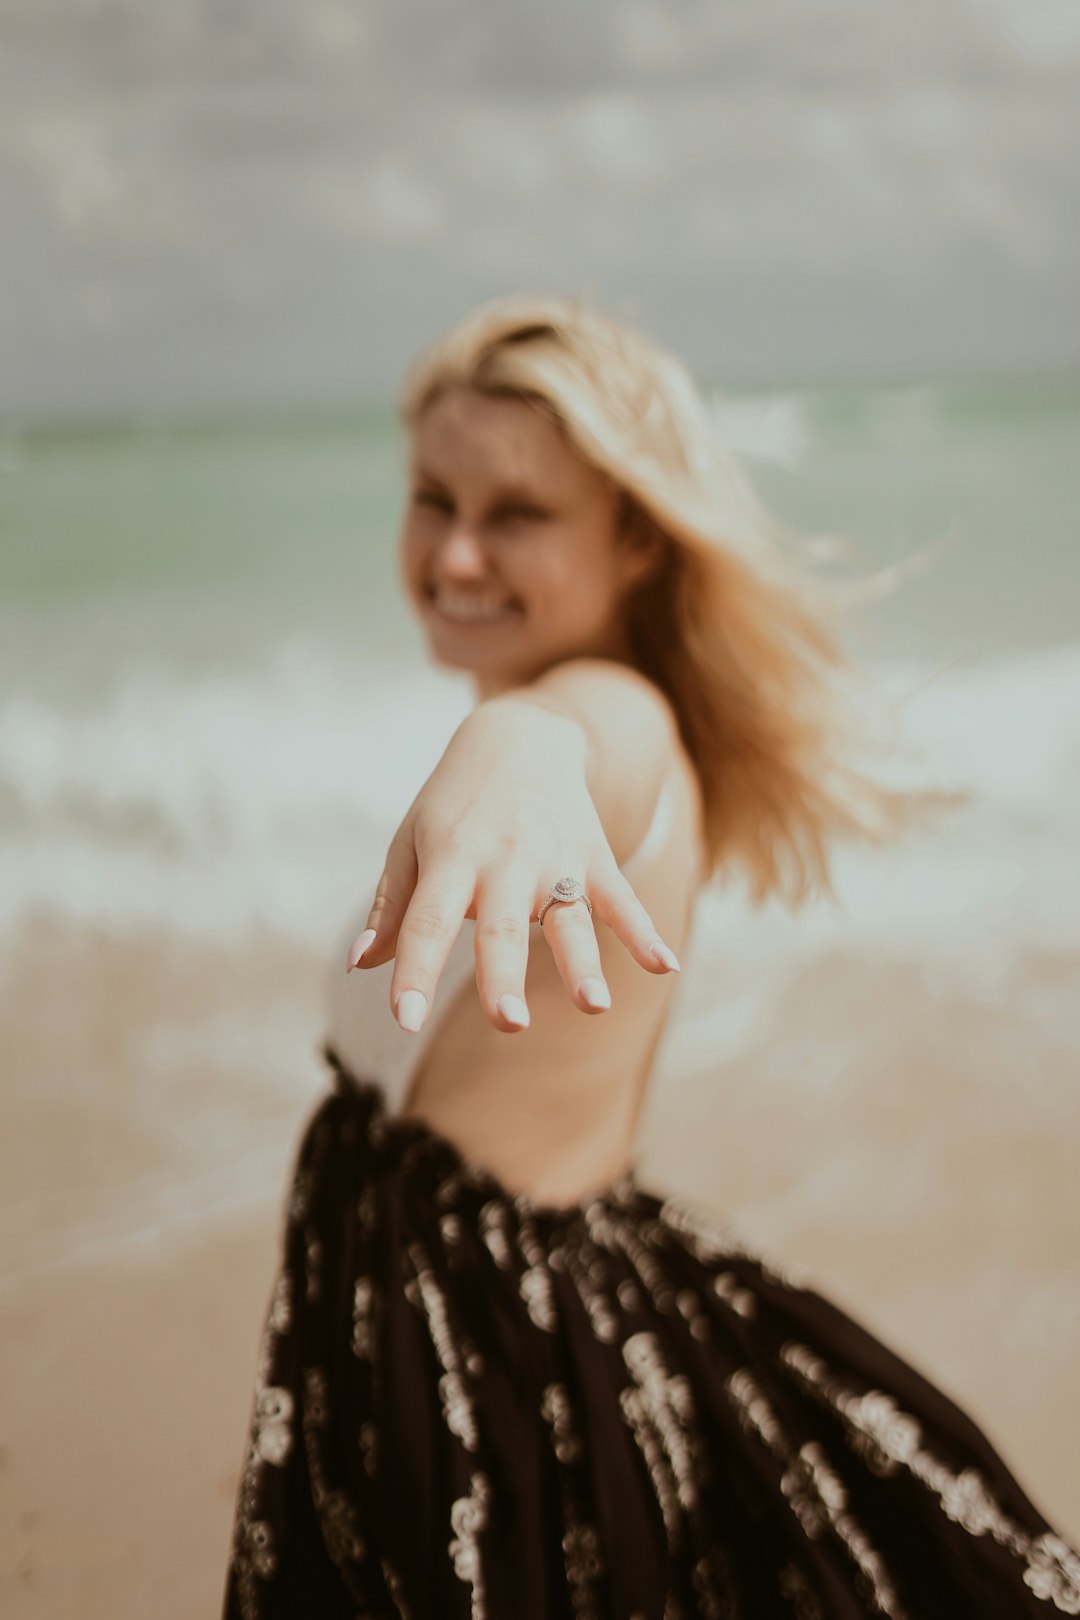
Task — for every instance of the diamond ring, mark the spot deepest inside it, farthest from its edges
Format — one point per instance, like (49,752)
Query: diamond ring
(566,891)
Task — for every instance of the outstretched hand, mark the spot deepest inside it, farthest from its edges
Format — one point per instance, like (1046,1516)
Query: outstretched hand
(503,816)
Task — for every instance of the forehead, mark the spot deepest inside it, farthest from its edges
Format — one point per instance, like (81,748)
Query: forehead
(466,436)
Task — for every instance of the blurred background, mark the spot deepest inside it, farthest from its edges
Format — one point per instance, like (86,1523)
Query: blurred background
(224,231)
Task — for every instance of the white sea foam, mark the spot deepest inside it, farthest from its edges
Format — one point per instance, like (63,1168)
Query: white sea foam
(765,427)
(209,805)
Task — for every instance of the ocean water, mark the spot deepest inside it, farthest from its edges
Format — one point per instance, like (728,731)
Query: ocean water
(216,709)
(204,652)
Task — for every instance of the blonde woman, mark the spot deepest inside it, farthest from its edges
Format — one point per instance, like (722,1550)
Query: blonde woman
(499,1377)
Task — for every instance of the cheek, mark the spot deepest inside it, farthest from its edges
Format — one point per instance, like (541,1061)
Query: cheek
(558,563)
(412,551)
(578,572)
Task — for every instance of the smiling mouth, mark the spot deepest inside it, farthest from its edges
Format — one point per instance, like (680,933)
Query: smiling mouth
(460,609)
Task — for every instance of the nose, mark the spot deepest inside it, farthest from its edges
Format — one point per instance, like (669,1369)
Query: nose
(460,554)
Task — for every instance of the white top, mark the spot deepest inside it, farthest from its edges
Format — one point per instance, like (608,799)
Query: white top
(362,1029)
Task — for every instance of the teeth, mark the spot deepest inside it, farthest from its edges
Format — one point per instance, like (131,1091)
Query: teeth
(470,607)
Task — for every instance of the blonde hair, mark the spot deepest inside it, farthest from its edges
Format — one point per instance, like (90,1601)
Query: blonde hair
(733,627)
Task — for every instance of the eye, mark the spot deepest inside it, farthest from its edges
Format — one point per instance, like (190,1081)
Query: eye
(523,510)
(430,497)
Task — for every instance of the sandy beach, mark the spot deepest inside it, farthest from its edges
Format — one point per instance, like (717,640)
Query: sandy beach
(868,1130)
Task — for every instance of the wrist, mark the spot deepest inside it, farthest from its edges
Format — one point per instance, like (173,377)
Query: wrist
(533,720)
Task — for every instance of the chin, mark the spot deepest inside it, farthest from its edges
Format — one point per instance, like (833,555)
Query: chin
(493,673)
(459,657)
(471,644)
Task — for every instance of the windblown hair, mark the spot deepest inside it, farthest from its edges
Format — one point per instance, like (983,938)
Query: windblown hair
(734,627)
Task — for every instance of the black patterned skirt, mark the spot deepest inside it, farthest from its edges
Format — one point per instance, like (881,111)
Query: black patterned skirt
(468,1405)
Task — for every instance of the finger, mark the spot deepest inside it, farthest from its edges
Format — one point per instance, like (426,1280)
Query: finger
(504,908)
(395,888)
(568,929)
(615,903)
(425,937)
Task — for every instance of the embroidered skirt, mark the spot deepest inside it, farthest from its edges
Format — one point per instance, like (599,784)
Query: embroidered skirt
(468,1405)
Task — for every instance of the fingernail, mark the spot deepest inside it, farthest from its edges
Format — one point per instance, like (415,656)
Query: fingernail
(594,992)
(514,1010)
(411,1009)
(358,947)
(668,957)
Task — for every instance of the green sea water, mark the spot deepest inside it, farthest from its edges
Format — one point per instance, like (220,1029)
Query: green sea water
(208,538)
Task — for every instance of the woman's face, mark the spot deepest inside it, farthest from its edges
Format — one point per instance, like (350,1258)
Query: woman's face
(511,550)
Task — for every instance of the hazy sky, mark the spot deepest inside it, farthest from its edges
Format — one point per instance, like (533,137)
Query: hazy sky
(221,201)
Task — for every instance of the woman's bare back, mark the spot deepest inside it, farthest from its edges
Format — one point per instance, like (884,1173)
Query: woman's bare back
(553,1110)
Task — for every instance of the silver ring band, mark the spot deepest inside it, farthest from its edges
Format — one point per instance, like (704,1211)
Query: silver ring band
(566,891)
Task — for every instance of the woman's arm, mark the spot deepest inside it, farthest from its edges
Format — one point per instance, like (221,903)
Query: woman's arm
(555,778)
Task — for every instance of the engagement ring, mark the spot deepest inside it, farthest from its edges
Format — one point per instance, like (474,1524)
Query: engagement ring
(565,891)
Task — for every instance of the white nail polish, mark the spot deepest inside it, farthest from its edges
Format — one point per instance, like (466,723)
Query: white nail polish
(663,953)
(514,1010)
(358,947)
(411,1009)
(594,992)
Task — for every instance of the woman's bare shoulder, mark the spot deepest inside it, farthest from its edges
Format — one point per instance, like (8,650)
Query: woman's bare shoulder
(610,684)
(633,737)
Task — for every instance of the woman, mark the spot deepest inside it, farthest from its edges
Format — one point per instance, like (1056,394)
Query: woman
(499,1378)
